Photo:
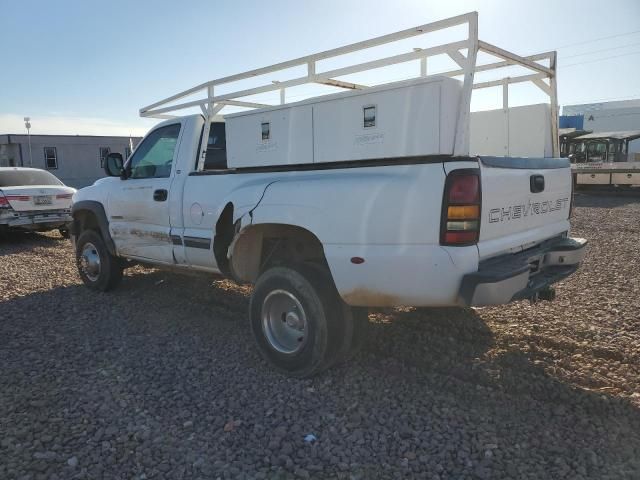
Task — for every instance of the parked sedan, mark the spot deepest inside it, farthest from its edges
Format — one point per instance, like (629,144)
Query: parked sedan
(33,199)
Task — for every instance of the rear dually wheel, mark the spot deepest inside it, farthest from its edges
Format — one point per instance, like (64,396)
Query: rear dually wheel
(296,320)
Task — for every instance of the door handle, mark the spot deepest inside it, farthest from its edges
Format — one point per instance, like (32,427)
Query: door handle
(160,195)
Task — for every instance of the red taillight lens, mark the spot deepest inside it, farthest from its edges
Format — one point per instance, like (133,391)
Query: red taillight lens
(64,195)
(456,238)
(4,203)
(464,189)
(461,207)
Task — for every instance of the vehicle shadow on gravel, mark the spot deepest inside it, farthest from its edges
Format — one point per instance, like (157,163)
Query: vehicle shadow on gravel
(163,364)
(428,339)
(606,199)
(458,344)
(16,242)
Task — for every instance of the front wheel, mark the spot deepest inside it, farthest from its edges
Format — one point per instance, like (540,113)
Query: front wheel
(98,269)
(296,320)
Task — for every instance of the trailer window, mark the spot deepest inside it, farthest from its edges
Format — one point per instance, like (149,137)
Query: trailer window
(50,158)
(102,153)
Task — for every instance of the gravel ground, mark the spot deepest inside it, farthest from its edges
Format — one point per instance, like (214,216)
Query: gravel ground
(160,378)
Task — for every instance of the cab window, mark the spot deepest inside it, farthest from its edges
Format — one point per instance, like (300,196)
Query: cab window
(154,157)
(216,157)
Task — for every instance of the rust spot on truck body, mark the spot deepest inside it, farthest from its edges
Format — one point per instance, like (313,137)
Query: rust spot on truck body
(364,297)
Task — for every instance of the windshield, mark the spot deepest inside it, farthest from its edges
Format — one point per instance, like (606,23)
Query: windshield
(19,178)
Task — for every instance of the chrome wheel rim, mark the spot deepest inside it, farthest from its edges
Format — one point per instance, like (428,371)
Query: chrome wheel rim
(284,322)
(90,261)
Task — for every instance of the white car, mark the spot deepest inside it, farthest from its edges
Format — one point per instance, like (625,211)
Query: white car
(34,200)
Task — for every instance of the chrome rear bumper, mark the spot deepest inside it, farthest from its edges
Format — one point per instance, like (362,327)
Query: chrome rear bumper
(522,275)
(39,220)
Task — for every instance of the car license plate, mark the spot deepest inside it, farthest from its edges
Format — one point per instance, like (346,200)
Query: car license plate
(42,200)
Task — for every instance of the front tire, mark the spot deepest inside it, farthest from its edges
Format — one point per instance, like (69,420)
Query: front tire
(296,320)
(98,269)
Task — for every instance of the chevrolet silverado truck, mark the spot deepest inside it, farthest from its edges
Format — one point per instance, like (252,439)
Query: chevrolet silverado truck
(333,204)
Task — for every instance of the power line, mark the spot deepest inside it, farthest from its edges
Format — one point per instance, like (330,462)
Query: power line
(598,39)
(599,59)
(600,51)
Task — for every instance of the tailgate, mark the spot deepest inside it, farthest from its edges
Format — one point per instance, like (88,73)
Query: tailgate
(524,201)
(35,198)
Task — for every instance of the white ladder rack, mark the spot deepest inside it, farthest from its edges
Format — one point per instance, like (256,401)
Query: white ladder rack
(544,77)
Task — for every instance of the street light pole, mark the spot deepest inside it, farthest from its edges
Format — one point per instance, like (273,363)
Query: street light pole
(27,124)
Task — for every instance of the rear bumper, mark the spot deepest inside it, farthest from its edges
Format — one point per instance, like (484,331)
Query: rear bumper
(37,220)
(522,275)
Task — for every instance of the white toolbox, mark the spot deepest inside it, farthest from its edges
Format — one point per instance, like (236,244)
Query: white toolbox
(403,119)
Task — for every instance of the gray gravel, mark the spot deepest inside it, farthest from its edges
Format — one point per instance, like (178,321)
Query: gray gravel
(160,378)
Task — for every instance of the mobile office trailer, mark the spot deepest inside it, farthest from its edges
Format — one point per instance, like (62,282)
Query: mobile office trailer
(285,133)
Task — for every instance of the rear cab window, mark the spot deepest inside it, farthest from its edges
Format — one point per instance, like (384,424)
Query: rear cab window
(216,158)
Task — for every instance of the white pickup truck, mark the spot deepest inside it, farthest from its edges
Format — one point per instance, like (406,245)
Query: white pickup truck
(334,204)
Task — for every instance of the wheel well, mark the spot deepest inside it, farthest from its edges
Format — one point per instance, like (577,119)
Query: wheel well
(85,220)
(223,237)
(260,246)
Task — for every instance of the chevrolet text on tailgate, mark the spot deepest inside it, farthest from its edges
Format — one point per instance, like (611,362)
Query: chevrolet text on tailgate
(363,198)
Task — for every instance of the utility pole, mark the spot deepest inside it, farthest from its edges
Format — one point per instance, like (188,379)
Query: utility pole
(27,124)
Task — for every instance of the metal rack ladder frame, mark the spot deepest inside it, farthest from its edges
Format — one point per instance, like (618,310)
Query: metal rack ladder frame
(542,76)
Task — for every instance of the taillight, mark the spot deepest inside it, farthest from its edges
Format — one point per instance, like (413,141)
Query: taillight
(65,196)
(4,203)
(461,208)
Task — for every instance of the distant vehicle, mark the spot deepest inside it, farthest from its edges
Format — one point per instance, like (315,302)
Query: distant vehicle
(34,200)
(603,158)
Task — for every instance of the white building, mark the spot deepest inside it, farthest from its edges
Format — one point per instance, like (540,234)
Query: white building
(77,160)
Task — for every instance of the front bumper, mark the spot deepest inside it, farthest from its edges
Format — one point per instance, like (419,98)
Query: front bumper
(522,275)
(41,220)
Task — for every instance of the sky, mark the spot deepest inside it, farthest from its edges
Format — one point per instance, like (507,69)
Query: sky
(88,66)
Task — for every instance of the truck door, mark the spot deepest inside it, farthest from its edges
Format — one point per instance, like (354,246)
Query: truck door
(138,208)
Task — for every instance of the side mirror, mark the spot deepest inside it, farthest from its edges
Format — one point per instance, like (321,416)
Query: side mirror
(114,165)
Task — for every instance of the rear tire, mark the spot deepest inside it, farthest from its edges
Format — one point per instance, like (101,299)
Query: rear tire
(354,322)
(98,269)
(297,320)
